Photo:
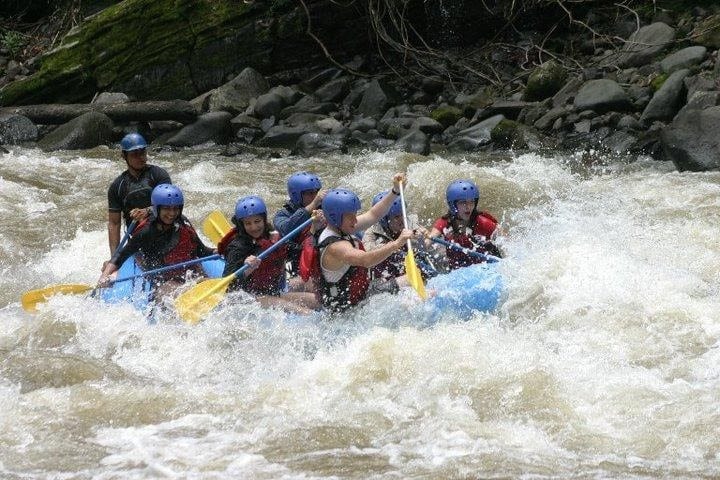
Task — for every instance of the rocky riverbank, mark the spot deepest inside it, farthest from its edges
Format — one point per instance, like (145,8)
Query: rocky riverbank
(654,93)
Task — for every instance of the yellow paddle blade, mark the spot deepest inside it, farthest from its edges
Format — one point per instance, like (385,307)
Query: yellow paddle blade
(215,226)
(33,297)
(413,274)
(197,302)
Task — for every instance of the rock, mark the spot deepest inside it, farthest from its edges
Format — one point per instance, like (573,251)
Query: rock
(334,91)
(667,101)
(545,81)
(209,127)
(363,124)
(395,127)
(377,98)
(304,119)
(427,125)
(645,44)
(283,136)
(111,97)
(86,131)
(619,142)
(16,129)
(432,85)
(414,142)
(268,105)
(547,120)
(314,82)
(244,120)
(314,143)
(475,136)
(691,140)
(567,92)
(707,32)
(235,95)
(289,95)
(684,58)
(331,126)
(508,108)
(446,115)
(628,122)
(602,96)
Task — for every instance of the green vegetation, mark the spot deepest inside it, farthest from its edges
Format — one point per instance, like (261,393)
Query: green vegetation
(12,41)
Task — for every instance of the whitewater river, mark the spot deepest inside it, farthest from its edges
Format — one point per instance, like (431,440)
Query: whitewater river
(602,362)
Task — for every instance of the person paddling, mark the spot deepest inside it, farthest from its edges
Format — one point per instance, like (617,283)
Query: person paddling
(305,194)
(341,273)
(266,278)
(464,225)
(164,238)
(129,194)
(387,230)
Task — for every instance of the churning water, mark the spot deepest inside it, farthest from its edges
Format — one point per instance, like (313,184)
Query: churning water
(601,363)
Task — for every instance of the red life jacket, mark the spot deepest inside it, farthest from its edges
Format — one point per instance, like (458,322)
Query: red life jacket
(225,241)
(269,278)
(483,225)
(350,290)
(181,248)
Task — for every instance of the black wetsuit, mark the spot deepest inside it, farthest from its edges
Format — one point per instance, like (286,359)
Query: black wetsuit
(127,192)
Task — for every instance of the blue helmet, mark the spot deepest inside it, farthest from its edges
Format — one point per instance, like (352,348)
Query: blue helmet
(133,141)
(300,182)
(395,208)
(248,206)
(337,202)
(461,190)
(166,195)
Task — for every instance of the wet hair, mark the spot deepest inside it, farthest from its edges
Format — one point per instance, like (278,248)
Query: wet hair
(241,233)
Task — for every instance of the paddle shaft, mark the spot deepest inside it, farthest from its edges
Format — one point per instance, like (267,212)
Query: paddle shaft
(167,268)
(405,221)
(466,251)
(126,237)
(274,247)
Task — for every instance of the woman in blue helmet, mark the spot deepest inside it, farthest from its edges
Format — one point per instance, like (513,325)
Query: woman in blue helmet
(305,194)
(163,239)
(265,279)
(129,194)
(387,230)
(465,225)
(339,264)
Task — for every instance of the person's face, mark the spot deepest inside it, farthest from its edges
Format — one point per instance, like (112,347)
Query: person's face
(396,223)
(168,215)
(254,225)
(464,208)
(136,159)
(307,196)
(349,220)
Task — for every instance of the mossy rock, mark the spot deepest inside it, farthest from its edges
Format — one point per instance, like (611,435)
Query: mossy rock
(446,115)
(503,134)
(545,81)
(658,81)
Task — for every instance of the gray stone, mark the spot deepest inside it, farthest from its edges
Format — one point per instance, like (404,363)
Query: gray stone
(314,143)
(414,142)
(628,122)
(691,140)
(427,125)
(331,126)
(475,136)
(546,121)
(684,58)
(283,136)
(209,127)
(268,105)
(645,44)
(619,142)
(111,97)
(377,98)
(15,129)
(334,90)
(667,100)
(235,95)
(602,96)
(86,131)
(363,124)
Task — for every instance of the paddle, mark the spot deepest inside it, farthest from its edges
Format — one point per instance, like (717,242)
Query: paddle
(31,299)
(127,235)
(466,251)
(215,226)
(412,272)
(194,304)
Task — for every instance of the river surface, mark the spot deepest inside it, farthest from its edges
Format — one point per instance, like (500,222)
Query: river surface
(602,362)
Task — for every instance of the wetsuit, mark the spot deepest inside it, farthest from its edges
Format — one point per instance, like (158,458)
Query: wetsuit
(286,220)
(127,192)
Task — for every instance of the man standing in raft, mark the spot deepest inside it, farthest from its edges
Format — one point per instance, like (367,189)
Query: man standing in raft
(129,193)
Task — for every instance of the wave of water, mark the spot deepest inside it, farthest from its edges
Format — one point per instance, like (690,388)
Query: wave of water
(602,361)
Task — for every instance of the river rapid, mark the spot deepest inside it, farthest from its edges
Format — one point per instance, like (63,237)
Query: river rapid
(602,361)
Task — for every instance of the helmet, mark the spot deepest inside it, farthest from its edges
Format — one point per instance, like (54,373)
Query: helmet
(300,182)
(133,141)
(395,208)
(250,205)
(461,190)
(337,202)
(166,195)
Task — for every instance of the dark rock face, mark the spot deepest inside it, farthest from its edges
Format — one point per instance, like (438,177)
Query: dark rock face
(86,131)
(692,141)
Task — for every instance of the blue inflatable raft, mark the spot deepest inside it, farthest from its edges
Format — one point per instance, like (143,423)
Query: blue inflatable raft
(467,290)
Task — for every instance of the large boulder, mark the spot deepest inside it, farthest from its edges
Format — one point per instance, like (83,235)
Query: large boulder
(475,136)
(211,127)
(16,129)
(86,131)
(545,81)
(687,57)
(691,141)
(667,100)
(600,96)
(378,97)
(645,44)
(235,95)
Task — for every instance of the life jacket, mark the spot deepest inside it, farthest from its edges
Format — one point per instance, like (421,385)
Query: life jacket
(225,241)
(182,247)
(481,227)
(394,265)
(350,290)
(269,277)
